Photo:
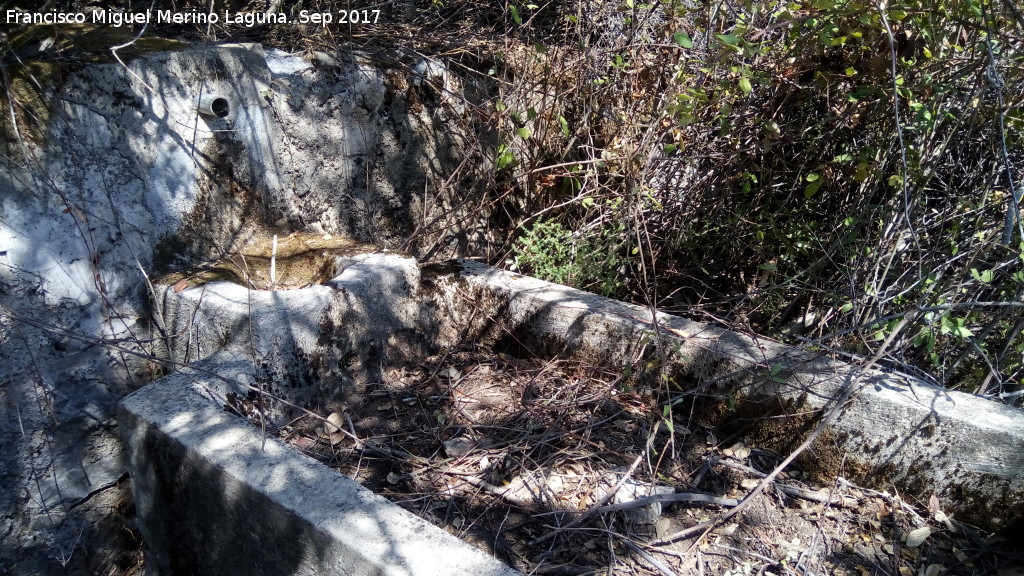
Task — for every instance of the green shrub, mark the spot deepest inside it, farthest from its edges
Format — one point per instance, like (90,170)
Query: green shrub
(588,260)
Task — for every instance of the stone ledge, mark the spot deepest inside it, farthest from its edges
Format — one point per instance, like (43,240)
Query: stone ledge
(897,432)
(215,496)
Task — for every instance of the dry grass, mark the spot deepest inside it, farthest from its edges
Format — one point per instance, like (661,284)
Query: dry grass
(520,457)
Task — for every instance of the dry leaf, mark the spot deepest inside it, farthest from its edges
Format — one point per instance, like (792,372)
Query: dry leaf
(917,537)
(941,517)
(336,419)
(180,285)
(332,429)
(738,450)
(933,570)
(625,425)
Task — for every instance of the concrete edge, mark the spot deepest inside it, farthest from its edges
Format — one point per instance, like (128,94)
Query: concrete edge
(897,432)
(214,496)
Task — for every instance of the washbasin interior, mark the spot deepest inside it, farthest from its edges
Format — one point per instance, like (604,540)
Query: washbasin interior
(272,262)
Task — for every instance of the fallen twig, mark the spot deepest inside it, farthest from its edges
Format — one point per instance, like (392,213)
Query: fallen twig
(677,497)
(643,554)
(830,416)
(611,493)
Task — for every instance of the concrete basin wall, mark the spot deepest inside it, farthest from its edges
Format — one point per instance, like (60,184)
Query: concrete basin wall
(308,344)
(215,496)
(897,433)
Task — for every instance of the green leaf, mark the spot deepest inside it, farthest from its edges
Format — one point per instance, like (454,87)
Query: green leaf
(587,202)
(813,177)
(745,86)
(565,126)
(985,276)
(682,40)
(505,158)
(514,12)
(730,39)
(862,172)
(812,188)
(955,326)
(843,158)
(523,133)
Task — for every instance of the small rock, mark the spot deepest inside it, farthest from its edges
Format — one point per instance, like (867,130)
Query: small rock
(458,447)
(634,490)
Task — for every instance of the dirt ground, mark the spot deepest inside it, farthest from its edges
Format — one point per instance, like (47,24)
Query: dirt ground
(560,468)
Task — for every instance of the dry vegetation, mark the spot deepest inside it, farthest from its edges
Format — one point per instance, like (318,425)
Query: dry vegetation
(520,456)
(842,175)
(839,174)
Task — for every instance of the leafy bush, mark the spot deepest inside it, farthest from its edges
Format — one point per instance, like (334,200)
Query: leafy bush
(828,172)
(549,251)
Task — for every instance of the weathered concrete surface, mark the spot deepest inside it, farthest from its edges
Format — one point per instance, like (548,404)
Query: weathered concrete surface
(313,344)
(121,175)
(216,497)
(896,432)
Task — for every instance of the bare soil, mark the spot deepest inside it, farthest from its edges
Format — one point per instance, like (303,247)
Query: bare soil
(540,463)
